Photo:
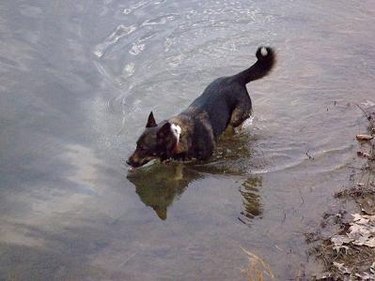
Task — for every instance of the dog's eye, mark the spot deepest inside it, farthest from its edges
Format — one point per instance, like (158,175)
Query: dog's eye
(142,148)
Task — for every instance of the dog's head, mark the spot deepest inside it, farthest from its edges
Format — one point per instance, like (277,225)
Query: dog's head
(158,141)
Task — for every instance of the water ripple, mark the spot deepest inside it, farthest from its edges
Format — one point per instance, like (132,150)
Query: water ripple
(134,7)
(163,19)
(120,32)
(330,156)
(137,48)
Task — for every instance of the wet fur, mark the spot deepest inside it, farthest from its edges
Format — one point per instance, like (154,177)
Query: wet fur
(225,102)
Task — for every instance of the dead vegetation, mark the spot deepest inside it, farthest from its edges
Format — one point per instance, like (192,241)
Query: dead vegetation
(349,254)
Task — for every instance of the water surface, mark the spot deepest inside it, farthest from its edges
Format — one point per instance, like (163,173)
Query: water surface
(77,81)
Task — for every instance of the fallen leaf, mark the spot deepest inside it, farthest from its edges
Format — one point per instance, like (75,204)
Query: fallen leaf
(342,268)
(339,240)
(370,243)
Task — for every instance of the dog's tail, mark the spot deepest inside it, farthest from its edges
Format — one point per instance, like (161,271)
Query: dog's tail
(266,60)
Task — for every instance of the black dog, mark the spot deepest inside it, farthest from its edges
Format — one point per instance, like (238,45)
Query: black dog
(193,133)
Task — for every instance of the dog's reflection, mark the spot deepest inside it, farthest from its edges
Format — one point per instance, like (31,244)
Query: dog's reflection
(160,184)
(251,200)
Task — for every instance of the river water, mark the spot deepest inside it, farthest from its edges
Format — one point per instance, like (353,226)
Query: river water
(77,81)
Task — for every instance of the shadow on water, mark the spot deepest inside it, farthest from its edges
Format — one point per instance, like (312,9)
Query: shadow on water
(159,185)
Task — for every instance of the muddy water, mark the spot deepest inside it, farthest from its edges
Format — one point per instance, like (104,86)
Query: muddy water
(78,79)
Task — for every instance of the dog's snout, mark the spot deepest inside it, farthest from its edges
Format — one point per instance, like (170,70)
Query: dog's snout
(133,161)
(130,161)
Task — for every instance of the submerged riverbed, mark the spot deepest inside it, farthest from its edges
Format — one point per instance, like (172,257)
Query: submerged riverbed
(77,83)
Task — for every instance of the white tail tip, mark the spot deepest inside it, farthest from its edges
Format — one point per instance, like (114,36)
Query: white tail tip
(263,52)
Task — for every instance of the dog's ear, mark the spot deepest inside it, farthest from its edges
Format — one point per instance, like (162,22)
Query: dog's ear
(151,121)
(164,131)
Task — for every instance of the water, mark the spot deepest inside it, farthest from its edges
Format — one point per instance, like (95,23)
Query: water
(77,81)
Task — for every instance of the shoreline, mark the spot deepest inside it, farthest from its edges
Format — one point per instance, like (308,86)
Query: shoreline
(346,250)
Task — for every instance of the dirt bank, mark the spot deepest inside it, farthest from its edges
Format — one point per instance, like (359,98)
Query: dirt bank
(345,244)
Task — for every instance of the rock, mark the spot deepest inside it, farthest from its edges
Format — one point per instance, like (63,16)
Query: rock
(363,137)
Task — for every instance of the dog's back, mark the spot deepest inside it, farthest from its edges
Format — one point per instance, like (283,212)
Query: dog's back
(226,100)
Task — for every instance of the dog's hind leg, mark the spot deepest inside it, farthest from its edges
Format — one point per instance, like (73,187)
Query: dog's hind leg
(238,117)
(241,112)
